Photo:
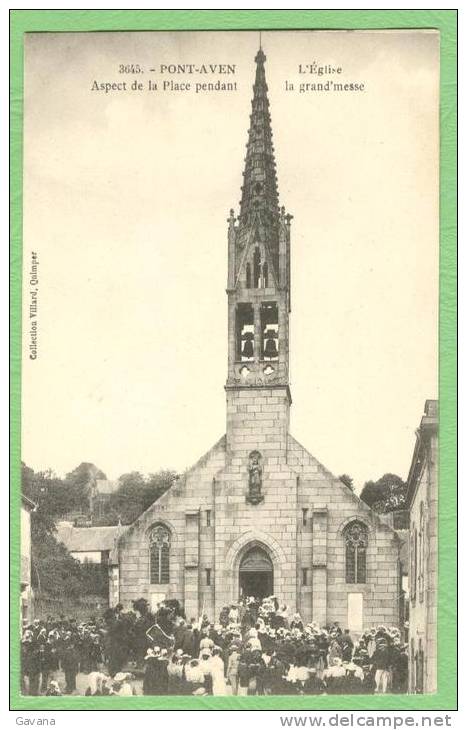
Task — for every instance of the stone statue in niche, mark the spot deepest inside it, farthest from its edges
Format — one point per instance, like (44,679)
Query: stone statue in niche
(255,478)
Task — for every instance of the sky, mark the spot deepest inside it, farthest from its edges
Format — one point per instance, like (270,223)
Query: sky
(126,196)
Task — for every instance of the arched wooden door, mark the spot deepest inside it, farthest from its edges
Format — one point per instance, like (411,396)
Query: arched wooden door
(256,574)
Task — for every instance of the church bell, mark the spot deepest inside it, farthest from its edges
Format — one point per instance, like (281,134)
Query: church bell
(270,349)
(247,350)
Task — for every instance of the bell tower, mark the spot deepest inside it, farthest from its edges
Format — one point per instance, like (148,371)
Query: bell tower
(258,286)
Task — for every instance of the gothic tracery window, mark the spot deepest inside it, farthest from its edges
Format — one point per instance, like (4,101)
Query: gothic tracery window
(159,552)
(356,543)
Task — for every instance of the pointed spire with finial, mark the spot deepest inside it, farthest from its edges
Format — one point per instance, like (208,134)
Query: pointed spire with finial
(259,191)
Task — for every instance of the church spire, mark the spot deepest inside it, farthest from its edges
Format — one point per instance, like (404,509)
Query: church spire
(260,198)
(258,283)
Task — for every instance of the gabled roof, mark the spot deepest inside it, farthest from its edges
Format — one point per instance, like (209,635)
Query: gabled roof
(428,426)
(219,445)
(383,520)
(87,539)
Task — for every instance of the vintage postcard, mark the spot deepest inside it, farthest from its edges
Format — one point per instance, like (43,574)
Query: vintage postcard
(229,368)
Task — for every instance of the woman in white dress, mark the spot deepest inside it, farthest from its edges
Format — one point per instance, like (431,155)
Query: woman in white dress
(217,672)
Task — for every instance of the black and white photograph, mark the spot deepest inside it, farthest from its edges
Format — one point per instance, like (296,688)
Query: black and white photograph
(230,363)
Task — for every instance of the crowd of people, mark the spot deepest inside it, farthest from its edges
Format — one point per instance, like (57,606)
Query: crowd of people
(256,648)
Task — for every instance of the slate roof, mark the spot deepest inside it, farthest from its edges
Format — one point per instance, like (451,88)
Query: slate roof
(87,539)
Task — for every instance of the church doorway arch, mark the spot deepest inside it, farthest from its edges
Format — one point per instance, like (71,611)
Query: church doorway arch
(256,574)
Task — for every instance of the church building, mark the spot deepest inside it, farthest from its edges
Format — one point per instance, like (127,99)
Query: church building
(258,514)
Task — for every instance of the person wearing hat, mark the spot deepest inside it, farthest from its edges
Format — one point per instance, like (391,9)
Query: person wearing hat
(70,665)
(206,668)
(94,653)
(205,643)
(256,670)
(95,682)
(335,650)
(123,685)
(254,644)
(297,676)
(400,667)
(362,661)
(274,682)
(243,673)
(150,671)
(53,690)
(296,622)
(233,614)
(162,677)
(187,640)
(371,642)
(184,685)
(381,661)
(175,672)
(353,679)
(26,653)
(46,662)
(218,672)
(33,668)
(334,677)
(232,666)
(347,645)
(224,616)
(194,676)
(313,685)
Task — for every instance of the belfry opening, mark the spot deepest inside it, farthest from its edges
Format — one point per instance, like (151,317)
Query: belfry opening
(256,574)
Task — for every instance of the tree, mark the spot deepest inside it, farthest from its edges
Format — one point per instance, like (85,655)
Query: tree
(54,571)
(78,485)
(45,489)
(82,474)
(141,605)
(156,485)
(95,578)
(348,481)
(385,495)
(58,497)
(126,501)
(134,495)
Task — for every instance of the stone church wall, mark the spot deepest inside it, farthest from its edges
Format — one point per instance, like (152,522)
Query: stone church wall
(186,502)
(331,506)
(212,525)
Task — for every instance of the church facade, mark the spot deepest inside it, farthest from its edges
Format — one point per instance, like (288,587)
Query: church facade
(258,514)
